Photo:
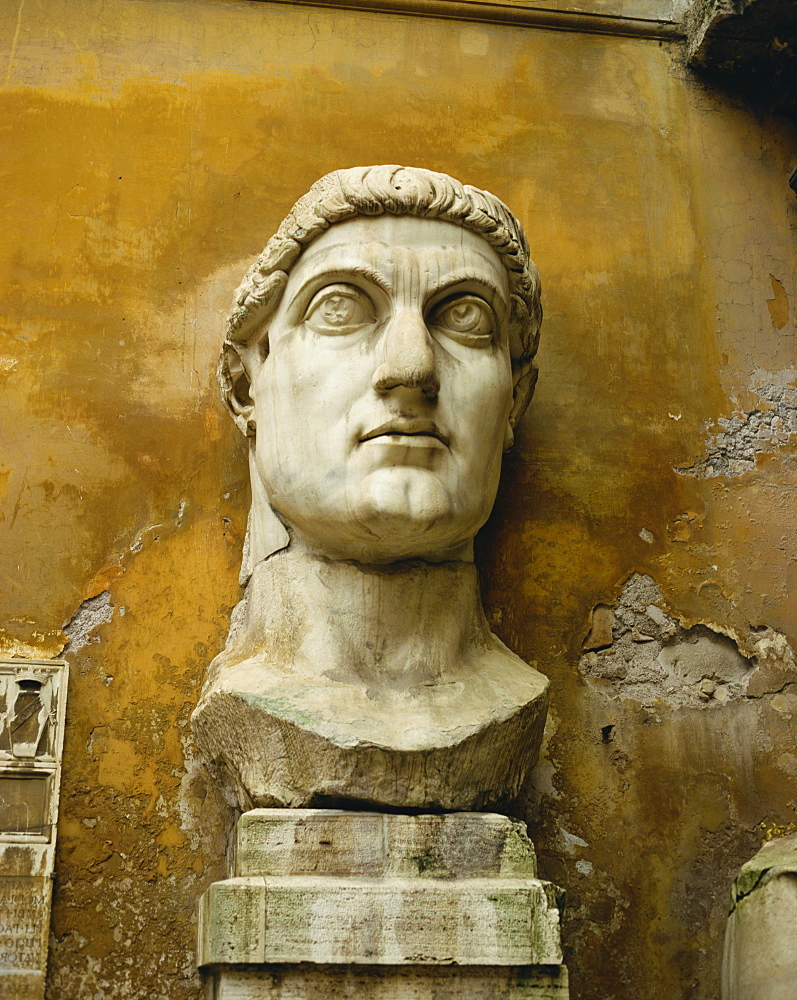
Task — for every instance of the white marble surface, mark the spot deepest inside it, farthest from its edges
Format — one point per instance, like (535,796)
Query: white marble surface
(379,355)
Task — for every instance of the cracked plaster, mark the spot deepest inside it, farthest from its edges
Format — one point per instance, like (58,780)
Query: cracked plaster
(644,653)
(92,613)
(770,425)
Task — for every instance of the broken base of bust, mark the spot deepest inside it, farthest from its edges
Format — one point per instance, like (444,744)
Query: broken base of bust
(345,683)
(336,904)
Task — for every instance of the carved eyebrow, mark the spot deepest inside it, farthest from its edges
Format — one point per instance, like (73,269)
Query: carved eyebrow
(465,277)
(338,275)
(341,270)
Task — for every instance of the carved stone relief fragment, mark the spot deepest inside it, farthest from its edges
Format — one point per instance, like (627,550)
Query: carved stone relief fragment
(32,705)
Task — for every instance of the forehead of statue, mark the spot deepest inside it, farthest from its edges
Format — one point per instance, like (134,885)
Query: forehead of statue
(401,253)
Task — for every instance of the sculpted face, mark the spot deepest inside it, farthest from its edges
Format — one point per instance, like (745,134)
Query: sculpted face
(382,408)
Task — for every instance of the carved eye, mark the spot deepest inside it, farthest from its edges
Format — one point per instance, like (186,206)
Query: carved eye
(466,318)
(339,309)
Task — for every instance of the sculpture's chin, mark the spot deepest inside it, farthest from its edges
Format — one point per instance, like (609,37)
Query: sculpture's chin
(400,502)
(401,513)
(389,515)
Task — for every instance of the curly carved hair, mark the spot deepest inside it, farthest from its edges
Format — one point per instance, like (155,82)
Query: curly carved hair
(378,190)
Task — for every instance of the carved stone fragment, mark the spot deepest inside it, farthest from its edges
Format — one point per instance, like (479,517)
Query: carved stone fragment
(32,703)
(378,356)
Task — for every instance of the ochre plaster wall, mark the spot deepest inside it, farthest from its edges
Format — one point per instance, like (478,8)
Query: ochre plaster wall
(149,148)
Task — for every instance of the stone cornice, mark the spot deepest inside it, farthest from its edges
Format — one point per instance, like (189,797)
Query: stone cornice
(515,12)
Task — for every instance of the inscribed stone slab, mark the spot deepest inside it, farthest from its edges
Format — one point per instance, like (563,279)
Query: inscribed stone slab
(32,703)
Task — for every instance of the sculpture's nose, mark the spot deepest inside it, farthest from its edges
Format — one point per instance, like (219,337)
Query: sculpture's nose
(409,357)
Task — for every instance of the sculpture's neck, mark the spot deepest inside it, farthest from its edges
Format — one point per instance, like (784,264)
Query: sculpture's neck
(403,623)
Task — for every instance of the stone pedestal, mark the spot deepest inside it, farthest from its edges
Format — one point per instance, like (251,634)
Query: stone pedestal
(336,904)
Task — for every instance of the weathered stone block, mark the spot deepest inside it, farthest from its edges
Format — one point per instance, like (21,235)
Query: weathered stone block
(232,921)
(337,842)
(321,890)
(386,921)
(329,982)
(24,923)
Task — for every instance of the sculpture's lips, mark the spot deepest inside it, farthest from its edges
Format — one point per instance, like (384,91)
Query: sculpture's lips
(421,433)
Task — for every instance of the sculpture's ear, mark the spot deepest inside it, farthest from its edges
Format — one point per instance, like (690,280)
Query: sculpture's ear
(265,532)
(525,375)
(237,396)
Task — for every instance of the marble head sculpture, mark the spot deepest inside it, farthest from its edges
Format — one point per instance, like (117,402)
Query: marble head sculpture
(378,356)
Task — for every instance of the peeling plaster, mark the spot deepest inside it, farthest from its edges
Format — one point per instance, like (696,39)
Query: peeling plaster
(138,544)
(570,841)
(778,305)
(643,653)
(92,613)
(98,610)
(770,425)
